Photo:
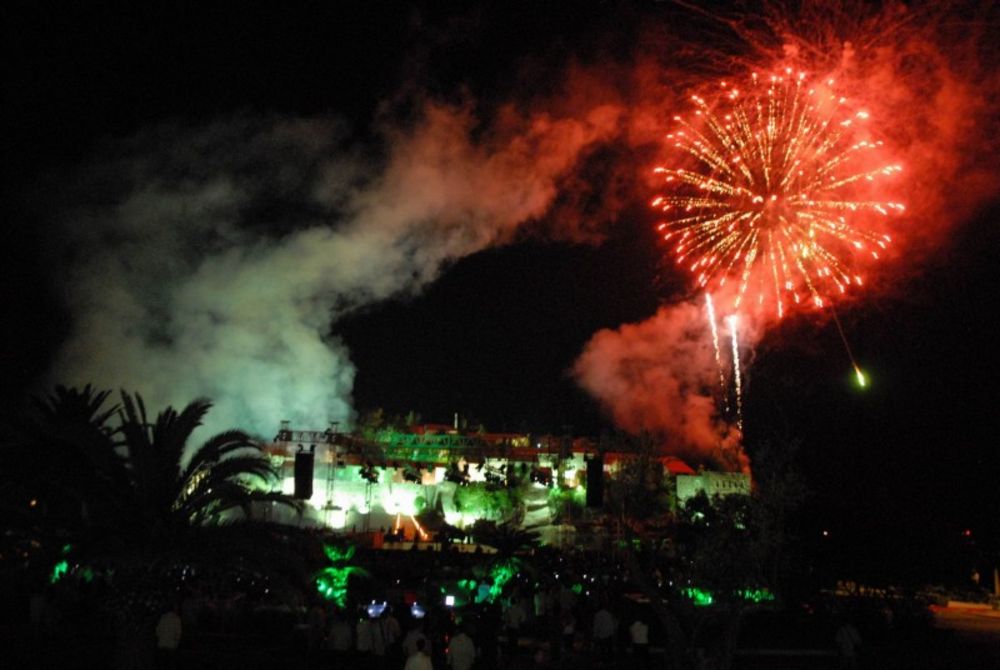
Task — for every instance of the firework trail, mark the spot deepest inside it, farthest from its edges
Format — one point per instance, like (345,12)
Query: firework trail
(715,344)
(858,374)
(777,195)
(733,320)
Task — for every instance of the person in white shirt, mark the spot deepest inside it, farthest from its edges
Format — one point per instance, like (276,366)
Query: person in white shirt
(848,641)
(363,638)
(340,637)
(168,637)
(639,634)
(541,605)
(604,632)
(413,638)
(567,625)
(513,617)
(168,630)
(461,651)
(419,660)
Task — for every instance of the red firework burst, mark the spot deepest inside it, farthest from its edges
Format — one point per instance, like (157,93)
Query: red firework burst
(778,195)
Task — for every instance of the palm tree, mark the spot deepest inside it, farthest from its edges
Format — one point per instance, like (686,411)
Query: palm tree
(510,542)
(226,474)
(507,538)
(126,488)
(59,467)
(123,496)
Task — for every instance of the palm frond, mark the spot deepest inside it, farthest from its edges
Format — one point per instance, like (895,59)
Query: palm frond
(237,481)
(173,430)
(251,467)
(64,452)
(80,406)
(210,502)
(137,441)
(216,448)
(270,497)
(121,494)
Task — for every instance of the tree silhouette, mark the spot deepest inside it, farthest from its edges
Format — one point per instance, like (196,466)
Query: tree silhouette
(124,496)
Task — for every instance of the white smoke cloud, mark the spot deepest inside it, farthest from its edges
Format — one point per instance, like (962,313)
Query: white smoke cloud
(212,261)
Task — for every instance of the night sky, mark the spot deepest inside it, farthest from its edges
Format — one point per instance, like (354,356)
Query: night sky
(495,335)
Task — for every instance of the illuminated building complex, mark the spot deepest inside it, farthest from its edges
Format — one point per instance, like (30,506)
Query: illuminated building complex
(383,479)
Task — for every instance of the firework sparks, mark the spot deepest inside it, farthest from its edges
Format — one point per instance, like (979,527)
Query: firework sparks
(774,200)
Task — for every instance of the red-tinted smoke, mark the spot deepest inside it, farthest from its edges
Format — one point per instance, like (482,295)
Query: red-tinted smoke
(926,76)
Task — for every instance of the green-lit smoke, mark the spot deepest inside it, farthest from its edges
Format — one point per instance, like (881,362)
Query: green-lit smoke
(210,262)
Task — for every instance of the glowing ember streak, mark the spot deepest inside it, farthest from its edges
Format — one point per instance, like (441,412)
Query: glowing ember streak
(775,197)
(715,343)
(737,378)
(420,530)
(858,374)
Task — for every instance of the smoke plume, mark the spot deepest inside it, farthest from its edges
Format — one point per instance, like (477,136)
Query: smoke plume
(658,376)
(211,261)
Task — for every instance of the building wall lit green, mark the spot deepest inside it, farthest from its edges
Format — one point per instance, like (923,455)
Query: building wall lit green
(383,479)
(412,476)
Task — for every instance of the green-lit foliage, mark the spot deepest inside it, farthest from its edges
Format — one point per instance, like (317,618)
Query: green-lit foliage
(734,546)
(567,504)
(487,501)
(639,490)
(61,568)
(721,545)
(337,554)
(700,597)
(703,598)
(59,571)
(509,541)
(332,581)
(757,595)
(500,574)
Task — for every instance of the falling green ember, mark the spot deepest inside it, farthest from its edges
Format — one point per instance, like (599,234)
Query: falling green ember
(860,376)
